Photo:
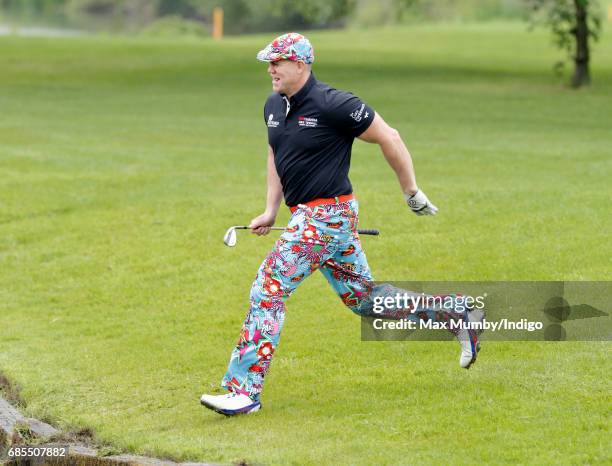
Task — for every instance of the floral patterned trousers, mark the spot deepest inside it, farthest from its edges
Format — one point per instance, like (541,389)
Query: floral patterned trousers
(324,238)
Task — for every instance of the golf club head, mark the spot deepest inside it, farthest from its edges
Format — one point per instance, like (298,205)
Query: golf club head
(230,237)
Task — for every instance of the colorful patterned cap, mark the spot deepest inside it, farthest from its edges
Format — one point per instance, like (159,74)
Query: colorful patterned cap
(291,46)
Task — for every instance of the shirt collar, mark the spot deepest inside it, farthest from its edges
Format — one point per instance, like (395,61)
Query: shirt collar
(300,95)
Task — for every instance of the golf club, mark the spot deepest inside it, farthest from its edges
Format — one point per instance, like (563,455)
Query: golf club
(229,239)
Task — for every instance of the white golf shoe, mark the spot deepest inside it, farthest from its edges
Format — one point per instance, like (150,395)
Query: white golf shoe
(468,339)
(230,404)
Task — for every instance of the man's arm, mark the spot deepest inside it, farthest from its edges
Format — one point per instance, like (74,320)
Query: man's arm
(398,157)
(261,224)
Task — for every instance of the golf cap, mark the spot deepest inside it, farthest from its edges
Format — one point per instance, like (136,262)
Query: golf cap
(291,46)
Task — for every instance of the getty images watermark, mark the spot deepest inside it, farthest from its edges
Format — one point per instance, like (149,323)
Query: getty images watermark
(458,304)
(549,311)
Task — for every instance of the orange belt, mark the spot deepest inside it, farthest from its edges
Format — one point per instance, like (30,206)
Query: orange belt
(324,201)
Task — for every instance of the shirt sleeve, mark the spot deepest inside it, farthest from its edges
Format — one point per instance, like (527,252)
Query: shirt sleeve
(268,106)
(348,113)
(265,112)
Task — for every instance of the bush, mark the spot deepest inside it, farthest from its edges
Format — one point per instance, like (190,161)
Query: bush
(175,26)
(374,13)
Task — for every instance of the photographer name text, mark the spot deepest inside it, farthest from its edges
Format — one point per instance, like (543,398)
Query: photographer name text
(503,324)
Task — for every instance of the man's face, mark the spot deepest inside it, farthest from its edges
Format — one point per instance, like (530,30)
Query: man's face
(285,75)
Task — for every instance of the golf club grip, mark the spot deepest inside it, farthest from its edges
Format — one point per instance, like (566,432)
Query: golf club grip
(369,232)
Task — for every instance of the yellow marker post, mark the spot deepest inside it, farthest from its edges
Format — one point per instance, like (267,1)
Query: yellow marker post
(217,32)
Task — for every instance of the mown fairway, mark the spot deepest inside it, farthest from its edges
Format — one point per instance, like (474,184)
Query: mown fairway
(122,162)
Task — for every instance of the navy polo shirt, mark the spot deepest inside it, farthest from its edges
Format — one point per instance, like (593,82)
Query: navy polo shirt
(312,135)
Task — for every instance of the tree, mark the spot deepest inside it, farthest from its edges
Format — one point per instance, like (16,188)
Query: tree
(573,24)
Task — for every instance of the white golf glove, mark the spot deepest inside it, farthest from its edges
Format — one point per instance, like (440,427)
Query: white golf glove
(419,203)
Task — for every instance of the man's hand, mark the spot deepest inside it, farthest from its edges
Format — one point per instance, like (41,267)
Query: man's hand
(419,203)
(261,225)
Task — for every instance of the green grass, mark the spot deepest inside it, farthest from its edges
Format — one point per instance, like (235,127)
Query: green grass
(122,162)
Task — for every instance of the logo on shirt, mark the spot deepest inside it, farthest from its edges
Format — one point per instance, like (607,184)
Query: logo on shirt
(307,122)
(357,115)
(271,122)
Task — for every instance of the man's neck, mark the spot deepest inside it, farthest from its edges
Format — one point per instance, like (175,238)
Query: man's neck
(299,86)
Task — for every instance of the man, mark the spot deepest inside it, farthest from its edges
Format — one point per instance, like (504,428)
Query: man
(311,128)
